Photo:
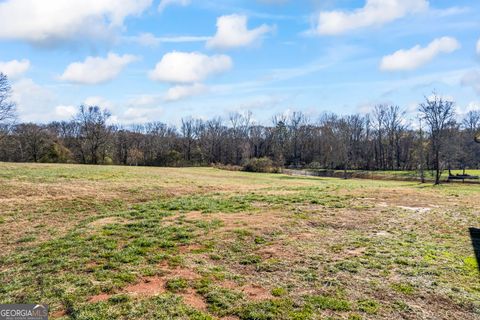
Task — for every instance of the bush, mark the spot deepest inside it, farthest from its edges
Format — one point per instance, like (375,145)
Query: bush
(57,153)
(264,165)
(314,165)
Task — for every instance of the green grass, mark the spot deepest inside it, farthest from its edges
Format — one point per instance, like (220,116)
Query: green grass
(261,246)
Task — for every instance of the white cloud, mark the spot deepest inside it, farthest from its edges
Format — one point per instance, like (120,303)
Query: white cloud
(463,110)
(232,32)
(99,102)
(180,92)
(52,21)
(65,112)
(144,100)
(147,40)
(165,3)
(374,13)
(185,67)
(417,56)
(95,70)
(150,40)
(34,101)
(478,46)
(472,79)
(141,115)
(14,68)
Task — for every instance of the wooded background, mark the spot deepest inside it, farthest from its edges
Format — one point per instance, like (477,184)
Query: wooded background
(385,139)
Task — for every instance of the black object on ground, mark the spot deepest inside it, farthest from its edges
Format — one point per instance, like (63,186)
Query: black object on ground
(475,236)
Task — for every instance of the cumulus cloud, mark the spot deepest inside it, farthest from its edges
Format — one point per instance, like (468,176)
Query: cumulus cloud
(184,91)
(232,32)
(417,56)
(374,13)
(14,68)
(34,102)
(472,79)
(95,70)
(53,21)
(165,3)
(189,67)
(63,112)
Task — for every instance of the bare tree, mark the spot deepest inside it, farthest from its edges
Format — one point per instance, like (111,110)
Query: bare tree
(421,154)
(93,133)
(7,107)
(296,121)
(240,127)
(471,137)
(278,138)
(188,133)
(471,121)
(378,123)
(438,114)
(33,141)
(388,126)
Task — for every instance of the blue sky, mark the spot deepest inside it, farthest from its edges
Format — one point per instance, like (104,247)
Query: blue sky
(152,60)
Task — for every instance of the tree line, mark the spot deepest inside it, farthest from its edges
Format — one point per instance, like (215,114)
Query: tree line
(384,139)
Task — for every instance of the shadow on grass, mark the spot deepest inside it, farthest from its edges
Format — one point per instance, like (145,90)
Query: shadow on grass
(475,236)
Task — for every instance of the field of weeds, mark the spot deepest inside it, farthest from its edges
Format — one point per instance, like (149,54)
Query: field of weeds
(99,242)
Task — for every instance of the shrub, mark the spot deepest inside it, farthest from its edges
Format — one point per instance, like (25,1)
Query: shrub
(264,165)
(314,165)
(57,153)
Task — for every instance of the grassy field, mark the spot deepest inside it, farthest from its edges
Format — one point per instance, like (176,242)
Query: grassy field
(98,242)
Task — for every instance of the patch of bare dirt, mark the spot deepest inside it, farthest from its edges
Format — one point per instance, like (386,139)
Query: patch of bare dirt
(179,272)
(252,291)
(147,287)
(99,298)
(183,273)
(278,250)
(58,314)
(193,299)
(228,284)
(256,292)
